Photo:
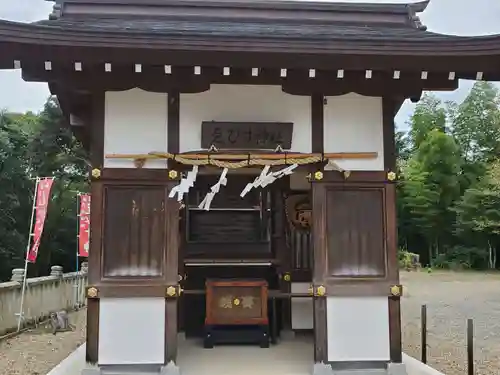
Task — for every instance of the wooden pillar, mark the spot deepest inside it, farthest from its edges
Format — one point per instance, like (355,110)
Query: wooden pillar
(319,302)
(320,256)
(96,137)
(390,106)
(172,272)
(281,248)
(317,122)
(173,262)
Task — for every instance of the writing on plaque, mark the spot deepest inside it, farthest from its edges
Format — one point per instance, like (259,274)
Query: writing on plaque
(246,135)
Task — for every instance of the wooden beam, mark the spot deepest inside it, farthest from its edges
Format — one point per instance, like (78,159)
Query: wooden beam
(251,156)
(296,81)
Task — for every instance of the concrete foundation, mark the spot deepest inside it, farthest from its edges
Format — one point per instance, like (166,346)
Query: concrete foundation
(292,357)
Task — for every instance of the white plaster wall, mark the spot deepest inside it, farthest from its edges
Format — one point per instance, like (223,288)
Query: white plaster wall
(135,122)
(131,331)
(302,308)
(353,123)
(244,103)
(358,328)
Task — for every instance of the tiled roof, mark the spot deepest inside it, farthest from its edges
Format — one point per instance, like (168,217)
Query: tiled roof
(250,29)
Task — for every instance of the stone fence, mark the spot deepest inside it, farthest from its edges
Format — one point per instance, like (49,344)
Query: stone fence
(43,295)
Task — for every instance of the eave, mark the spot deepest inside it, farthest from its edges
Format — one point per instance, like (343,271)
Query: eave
(368,7)
(464,55)
(430,43)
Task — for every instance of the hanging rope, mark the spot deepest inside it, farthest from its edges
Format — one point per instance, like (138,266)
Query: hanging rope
(235,161)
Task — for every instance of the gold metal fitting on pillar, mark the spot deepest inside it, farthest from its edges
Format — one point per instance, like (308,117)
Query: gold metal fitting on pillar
(92,292)
(287,277)
(310,290)
(320,291)
(391,176)
(396,290)
(96,173)
(171,291)
(173,174)
(318,175)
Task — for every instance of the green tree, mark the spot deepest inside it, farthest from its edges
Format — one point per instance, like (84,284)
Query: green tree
(429,115)
(431,187)
(55,152)
(475,123)
(36,145)
(479,211)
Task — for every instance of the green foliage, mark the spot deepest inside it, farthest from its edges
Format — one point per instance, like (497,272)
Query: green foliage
(428,115)
(37,145)
(460,258)
(408,260)
(449,194)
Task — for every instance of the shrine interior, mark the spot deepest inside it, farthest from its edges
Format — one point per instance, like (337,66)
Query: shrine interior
(264,235)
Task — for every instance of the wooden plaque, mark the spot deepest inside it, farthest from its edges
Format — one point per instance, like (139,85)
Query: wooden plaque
(246,135)
(236,302)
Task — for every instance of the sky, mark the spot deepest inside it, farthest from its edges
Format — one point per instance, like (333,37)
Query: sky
(456,17)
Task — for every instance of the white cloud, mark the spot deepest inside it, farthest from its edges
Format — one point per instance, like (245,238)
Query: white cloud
(458,17)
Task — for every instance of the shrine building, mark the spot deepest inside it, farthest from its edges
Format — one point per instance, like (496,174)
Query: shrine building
(243,174)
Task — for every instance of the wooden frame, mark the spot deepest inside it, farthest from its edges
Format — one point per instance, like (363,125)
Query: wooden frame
(355,285)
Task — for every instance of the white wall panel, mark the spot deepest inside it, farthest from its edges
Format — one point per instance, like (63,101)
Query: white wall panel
(353,123)
(135,123)
(131,331)
(358,328)
(241,103)
(302,308)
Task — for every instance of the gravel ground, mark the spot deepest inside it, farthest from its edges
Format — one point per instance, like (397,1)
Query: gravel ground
(38,352)
(451,299)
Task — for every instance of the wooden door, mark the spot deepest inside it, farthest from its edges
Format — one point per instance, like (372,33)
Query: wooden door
(135,243)
(352,236)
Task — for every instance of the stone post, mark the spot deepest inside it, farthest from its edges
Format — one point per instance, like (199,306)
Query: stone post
(85,267)
(18,275)
(56,271)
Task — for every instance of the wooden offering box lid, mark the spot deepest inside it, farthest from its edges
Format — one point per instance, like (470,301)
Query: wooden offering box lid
(236,302)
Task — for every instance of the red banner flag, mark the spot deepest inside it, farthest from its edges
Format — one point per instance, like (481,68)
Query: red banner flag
(41,202)
(84,231)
